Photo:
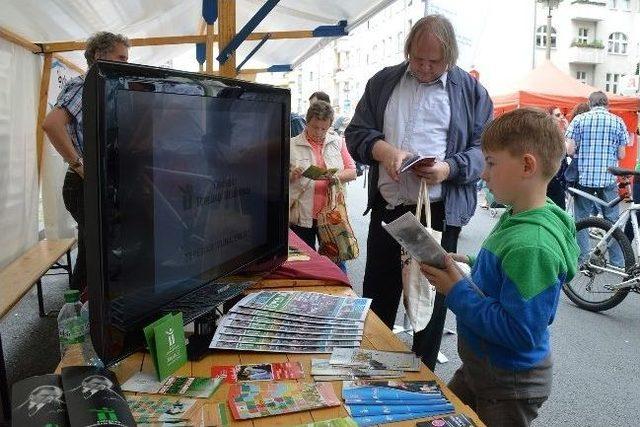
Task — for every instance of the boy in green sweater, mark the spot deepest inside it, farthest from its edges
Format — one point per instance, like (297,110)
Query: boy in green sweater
(503,333)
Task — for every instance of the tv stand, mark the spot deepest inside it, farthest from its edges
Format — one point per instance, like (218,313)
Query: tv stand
(204,329)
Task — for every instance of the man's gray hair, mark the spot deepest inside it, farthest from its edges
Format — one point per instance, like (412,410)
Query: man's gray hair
(442,29)
(598,99)
(102,43)
(320,110)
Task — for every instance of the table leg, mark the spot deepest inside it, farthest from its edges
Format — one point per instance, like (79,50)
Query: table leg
(40,299)
(69,269)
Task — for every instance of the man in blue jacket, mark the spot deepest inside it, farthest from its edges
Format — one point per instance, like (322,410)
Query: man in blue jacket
(429,106)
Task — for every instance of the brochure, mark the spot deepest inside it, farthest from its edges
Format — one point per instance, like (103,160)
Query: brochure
(415,160)
(375,359)
(249,400)
(356,410)
(322,368)
(39,401)
(153,409)
(198,387)
(223,345)
(258,372)
(334,323)
(375,420)
(317,173)
(255,317)
(389,391)
(416,240)
(456,420)
(94,397)
(166,342)
(222,335)
(309,304)
(334,422)
(230,323)
(286,334)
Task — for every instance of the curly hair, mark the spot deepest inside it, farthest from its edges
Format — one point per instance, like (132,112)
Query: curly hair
(320,110)
(102,43)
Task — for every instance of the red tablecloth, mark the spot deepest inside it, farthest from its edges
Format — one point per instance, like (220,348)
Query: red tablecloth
(319,267)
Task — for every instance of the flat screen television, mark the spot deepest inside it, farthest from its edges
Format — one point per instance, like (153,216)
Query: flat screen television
(186,182)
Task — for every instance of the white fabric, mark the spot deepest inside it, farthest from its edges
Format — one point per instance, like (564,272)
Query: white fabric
(416,120)
(55,20)
(19,90)
(58,223)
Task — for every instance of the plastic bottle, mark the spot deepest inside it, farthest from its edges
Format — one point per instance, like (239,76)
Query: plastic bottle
(73,331)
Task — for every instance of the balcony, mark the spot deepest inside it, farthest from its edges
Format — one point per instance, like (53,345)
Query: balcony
(588,10)
(587,53)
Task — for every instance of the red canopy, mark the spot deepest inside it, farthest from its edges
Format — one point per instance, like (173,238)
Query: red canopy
(547,86)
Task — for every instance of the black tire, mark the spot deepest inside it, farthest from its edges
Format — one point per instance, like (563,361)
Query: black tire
(610,299)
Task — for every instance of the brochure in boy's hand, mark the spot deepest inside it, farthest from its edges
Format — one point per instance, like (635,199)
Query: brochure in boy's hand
(317,173)
(416,240)
(455,420)
(413,160)
(199,387)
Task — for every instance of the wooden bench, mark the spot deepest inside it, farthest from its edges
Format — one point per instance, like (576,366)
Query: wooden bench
(16,279)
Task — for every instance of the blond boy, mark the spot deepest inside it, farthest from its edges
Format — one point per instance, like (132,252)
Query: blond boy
(503,339)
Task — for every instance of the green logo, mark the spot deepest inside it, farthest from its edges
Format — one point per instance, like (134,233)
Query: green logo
(105,414)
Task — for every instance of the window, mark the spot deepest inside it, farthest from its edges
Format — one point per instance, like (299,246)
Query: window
(310,75)
(541,36)
(581,76)
(613,4)
(626,4)
(410,22)
(618,43)
(612,83)
(583,35)
(400,42)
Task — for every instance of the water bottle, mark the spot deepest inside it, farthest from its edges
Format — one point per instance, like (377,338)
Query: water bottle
(73,332)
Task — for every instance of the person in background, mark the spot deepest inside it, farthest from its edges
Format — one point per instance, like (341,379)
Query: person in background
(599,138)
(319,96)
(504,310)
(425,105)
(315,146)
(297,121)
(63,126)
(557,188)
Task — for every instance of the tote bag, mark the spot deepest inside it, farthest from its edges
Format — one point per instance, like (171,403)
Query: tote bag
(335,235)
(418,295)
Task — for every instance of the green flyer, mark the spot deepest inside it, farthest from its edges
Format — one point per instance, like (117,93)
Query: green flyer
(166,342)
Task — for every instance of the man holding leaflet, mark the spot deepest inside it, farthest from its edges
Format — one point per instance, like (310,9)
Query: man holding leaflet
(427,106)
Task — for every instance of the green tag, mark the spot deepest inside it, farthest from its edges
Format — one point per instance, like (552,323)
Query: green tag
(165,339)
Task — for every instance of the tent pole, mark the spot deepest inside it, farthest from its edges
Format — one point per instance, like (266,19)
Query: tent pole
(227,31)
(42,109)
(210,40)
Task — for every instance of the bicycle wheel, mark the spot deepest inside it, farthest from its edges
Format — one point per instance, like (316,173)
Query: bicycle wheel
(591,288)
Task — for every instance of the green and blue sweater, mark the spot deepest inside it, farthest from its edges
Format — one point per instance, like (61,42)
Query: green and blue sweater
(520,269)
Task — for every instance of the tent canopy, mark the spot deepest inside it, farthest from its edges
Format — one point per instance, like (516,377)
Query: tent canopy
(546,85)
(46,21)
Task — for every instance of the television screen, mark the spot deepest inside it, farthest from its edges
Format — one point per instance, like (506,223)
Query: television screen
(188,180)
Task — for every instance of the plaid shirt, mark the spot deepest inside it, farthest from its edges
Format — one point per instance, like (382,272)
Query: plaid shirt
(70,99)
(598,134)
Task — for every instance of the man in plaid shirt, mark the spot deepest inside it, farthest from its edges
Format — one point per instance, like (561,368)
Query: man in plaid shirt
(63,126)
(600,138)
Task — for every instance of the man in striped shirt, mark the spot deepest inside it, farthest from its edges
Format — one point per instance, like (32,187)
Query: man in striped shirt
(600,138)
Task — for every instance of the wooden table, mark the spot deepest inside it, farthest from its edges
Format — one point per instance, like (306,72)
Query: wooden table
(376,336)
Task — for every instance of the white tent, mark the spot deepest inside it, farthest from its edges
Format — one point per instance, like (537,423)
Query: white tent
(41,46)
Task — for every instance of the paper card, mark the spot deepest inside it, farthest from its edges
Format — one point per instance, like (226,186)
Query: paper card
(456,420)
(317,173)
(416,160)
(197,387)
(153,409)
(258,372)
(166,336)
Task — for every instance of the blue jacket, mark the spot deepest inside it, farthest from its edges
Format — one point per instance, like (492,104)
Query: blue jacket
(471,109)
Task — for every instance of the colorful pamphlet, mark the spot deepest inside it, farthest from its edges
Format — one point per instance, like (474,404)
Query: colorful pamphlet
(322,370)
(369,410)
(166,342)
(94,397)
(248,400)
(282,331)
(239,314)
(333,323)
(455,420)
(309,304)
(39,401)
(223,335)
(223,345)
(334,422)
(375,420)
(391,392)
(314,172)
(416,160)
(154,409)
(258,372)
(375,359)
(198,387)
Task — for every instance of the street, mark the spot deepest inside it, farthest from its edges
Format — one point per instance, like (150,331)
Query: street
(596,369)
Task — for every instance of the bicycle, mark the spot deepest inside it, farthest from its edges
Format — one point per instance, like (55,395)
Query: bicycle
(599,284)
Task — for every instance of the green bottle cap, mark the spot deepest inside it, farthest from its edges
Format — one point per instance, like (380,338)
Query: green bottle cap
(72,296)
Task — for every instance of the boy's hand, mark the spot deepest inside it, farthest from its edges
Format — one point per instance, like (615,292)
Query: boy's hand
(460,258)
(442,279)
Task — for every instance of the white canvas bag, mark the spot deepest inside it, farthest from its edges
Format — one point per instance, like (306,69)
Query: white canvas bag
(418,295)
